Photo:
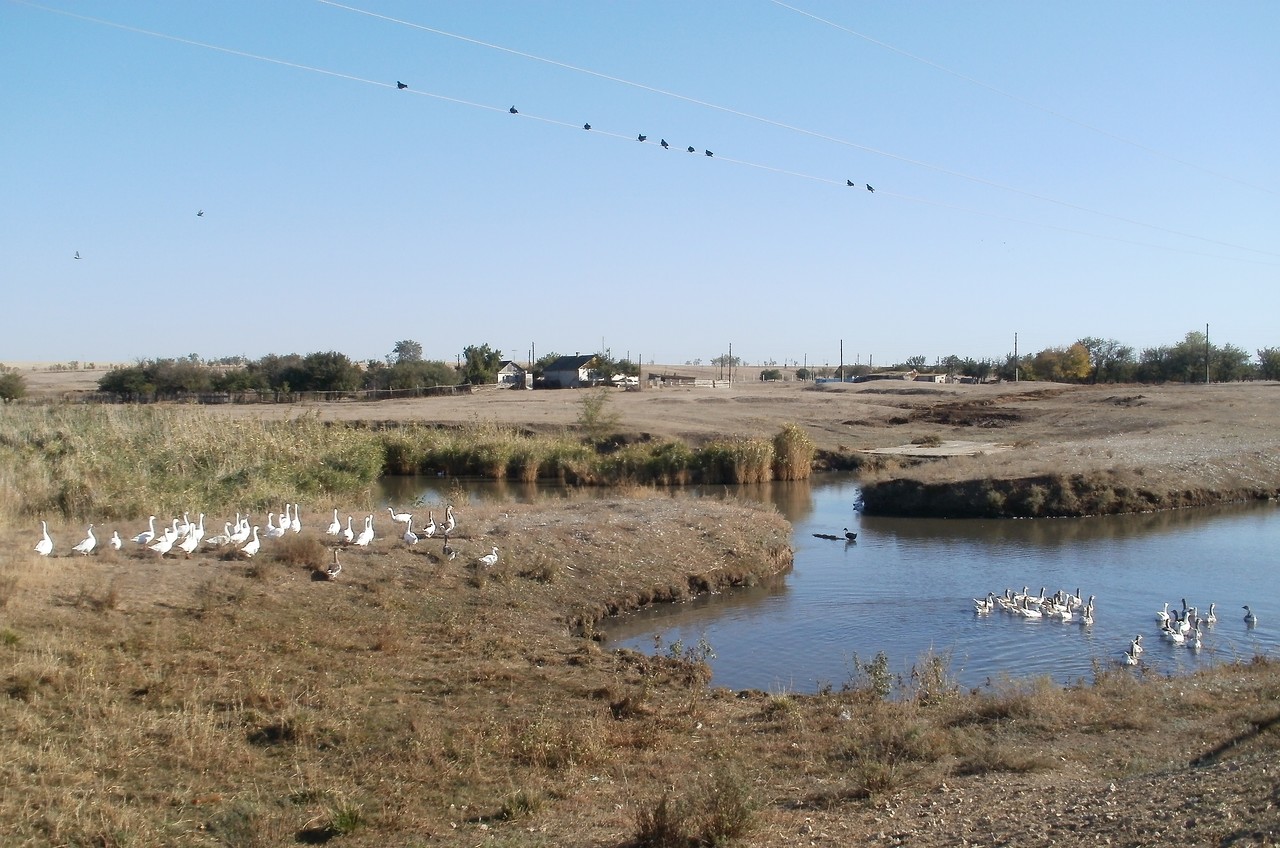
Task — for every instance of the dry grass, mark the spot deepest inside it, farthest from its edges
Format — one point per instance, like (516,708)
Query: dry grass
(211,702)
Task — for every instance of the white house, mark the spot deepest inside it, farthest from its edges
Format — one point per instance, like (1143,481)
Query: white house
(571,372)
(512,376)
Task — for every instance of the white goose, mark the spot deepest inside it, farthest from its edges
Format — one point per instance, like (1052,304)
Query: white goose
(1136,645)
(430,529)
(366,535)
(1163,615)
(348,535)
(1130,658)
(284,518)
(335,526)
(162,545)
(1212,618)
(402,517)
(295,524)
(185,527)
(44,547)
(189,544)
(273,532)
(488,560)
(221,539)
(251,547)
(115,541)
(242,531)
(409,536)
(198,530)
(87,545)
(145,537)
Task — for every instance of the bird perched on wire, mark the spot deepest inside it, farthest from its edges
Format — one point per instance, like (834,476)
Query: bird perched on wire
(586,126)
(642,138)
(401,85)
(664,144)
(871,188)
(708,152)
(513,110)
(850,183)
(691,150)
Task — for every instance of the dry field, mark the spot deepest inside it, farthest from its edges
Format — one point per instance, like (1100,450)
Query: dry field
(1176,438)
(418,700)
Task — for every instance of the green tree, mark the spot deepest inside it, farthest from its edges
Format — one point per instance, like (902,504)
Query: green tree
(804,374)
(595,417)
(480,364)
(421,374)
(1269,363)
(323,372)
(1229,364)
(771,374)
(406,351)
(916,362)
(12,385)
(1110,359)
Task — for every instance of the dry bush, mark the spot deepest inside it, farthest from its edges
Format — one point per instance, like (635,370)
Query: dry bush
(296,550)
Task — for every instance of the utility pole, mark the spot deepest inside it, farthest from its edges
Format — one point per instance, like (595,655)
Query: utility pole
(840,370)
(1015,357)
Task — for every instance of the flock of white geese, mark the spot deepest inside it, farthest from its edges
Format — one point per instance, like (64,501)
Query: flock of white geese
(1184,627)
(246,538)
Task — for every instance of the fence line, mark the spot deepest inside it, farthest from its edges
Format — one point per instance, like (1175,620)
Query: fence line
(252,397)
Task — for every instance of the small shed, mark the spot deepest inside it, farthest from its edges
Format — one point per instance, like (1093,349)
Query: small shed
(512,376)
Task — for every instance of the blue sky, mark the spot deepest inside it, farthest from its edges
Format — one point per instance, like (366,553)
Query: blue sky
(1055,170)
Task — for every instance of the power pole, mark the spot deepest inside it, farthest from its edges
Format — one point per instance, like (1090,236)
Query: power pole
(840,370)
(1015,357)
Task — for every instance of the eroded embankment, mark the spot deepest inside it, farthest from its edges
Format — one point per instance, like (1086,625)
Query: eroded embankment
(1045,495)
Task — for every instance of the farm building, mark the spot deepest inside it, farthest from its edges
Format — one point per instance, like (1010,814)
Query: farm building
(571,372)
(512,376)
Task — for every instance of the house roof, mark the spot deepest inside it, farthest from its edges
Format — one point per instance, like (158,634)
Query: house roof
(508,362)
(570,363)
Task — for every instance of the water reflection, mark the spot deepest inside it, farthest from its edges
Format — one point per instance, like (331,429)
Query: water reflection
(906,587)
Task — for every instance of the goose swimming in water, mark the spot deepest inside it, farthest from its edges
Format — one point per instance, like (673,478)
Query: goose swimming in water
(1130,658)
(44,547)
(1250,617)
(1212,618)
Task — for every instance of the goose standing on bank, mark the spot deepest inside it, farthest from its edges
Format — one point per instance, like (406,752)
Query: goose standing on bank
(332,572)
(488,560)
(115,541)
(410,537)
(335,526)
(189,544)
(273,532)
(348,535)
(222,539)
(296,523)
(163,545)
(44,547)
(449,521)
(145,537)
(366,535)
(430,529)
(402,517)
(87,545)
(252,546)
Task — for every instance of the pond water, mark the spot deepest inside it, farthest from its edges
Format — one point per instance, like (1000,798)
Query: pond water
(906,588)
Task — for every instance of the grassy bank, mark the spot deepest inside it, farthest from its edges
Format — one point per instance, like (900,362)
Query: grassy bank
(109,462)
(1045,495)
(419,700)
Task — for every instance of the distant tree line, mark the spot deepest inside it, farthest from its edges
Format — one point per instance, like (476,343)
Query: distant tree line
(1097,360)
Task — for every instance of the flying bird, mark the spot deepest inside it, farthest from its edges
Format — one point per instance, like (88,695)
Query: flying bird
(401,85)
(642,138)
(513,110)
(77,254)
(664,144)
(586,126)
(871,188)
(200,214)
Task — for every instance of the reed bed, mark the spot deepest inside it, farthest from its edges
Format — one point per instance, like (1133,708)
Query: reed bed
(127,461)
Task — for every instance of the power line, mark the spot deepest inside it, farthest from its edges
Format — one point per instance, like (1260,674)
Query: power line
(1022,100)
(792,128)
